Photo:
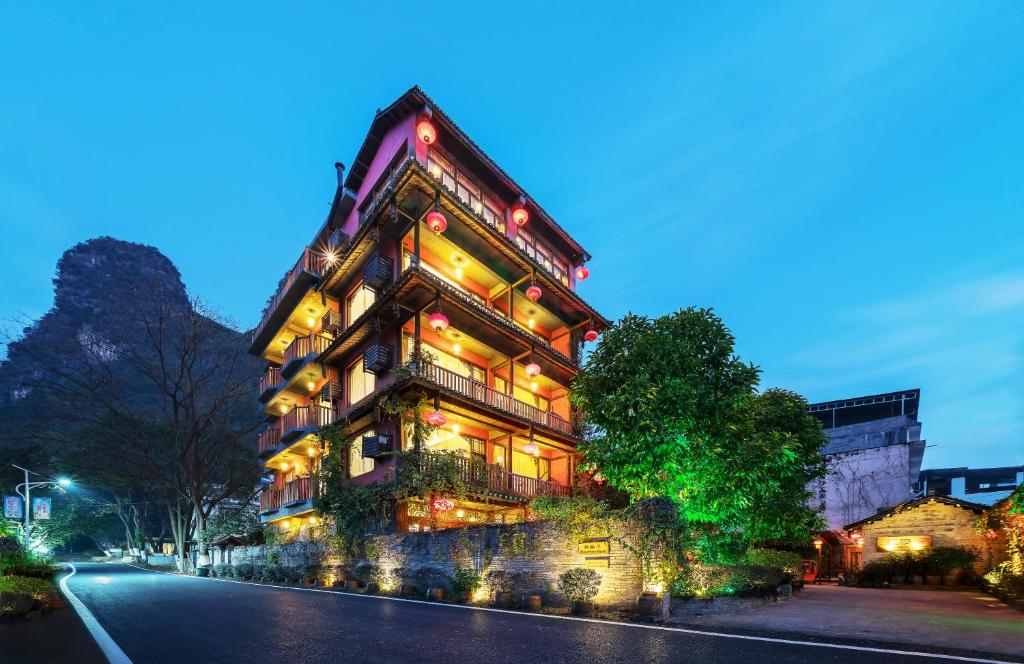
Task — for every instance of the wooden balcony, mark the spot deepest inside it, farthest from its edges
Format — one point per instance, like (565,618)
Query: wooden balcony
(306,271)
(268,441)
(495,479)
(270,500)
(302,349)
(304,420)
(269,382)
(297,491)
(489,396)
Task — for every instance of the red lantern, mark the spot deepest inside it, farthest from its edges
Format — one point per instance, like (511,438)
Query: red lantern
(532,369)
(590,335)
(424,130)
(533,293)
(531,449)
(520,215)
(436,221)
(818,542)
(582,272)
(436,418)
(438,322)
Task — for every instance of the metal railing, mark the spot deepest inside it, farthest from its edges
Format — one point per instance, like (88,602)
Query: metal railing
(268,439)
(310,262)
(477,391)
(492,477)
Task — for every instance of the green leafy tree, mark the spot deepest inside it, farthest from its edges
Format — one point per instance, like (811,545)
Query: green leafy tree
(675,412)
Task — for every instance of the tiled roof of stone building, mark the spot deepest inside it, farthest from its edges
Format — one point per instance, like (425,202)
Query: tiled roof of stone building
(917,502)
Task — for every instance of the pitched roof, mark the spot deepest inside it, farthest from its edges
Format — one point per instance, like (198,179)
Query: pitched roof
(917,502)
(413,100)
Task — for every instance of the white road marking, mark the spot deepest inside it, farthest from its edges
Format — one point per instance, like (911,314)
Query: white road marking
(683,630)
(110,649)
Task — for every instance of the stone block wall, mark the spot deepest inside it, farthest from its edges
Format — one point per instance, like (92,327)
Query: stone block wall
(948,525)
(538,549)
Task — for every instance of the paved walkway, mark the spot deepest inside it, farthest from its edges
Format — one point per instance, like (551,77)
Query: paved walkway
(944,619)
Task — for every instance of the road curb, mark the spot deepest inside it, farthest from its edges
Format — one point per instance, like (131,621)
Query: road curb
(107,645)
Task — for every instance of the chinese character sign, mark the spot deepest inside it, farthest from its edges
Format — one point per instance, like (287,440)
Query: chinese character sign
(40,508)
(12,507)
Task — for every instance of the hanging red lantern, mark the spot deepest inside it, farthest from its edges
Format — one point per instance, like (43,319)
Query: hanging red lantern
(532,369)
(436,221)
(590,335)
(533,293)
(436,418)
(520,214)
(424,129)
(531,449)
(438,322)
(582,272)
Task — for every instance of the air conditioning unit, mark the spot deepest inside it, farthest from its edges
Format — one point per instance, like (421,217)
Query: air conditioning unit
(378,358)
(338,239)
(377,271)
(331,322)
(376,445)
(331,391)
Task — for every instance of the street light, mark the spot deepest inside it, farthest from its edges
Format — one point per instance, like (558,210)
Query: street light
(27,496)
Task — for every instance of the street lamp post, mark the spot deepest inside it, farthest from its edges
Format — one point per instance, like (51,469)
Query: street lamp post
(27,496)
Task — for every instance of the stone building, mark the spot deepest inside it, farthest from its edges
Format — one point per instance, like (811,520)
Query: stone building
(920,524)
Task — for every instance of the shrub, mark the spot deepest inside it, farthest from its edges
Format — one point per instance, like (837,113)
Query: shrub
(945,559)
(290,573)
(368,573)
(500,580)
(244,570)
(579,584)
(785,560)
(20,594)
(222,571)
(431,577)
(465,580)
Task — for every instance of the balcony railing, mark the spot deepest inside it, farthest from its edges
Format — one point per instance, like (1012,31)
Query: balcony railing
(309,262)
(306,417)
(296,491)
(494,478)
(270,500)
(302,346)
(270,379)
(268,439)
(477,391)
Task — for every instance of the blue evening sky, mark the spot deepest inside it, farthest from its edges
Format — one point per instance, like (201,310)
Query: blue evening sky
(843,182)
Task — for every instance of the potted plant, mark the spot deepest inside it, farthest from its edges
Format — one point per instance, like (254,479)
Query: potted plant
(368,576)
(465,582)
(501,582)
(580,586)
(434,579)
(203,570)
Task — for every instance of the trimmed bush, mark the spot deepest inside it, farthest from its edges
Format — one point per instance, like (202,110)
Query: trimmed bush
(579,584)
(787,561)
(222,571)
(367,573)
(465,580)
(243,570)
(428,577)
(21,594)
(500,581)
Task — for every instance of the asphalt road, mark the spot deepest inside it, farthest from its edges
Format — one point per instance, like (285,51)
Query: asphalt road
(157,618)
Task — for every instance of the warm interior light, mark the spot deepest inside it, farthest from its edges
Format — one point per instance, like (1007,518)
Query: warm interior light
(311,322)
(284,465)
(310,386)
(285,525)
(435,170)
(312,520)
(460,513)
(458,273)
(330,256)
(456,348)
(283,408)
(533,386)
(531,323)
(311,452)
(455,428)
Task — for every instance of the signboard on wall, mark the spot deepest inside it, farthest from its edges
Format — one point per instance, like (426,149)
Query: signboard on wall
(12,507)
(593,547)
(904,543)
(597,563)
(40,508)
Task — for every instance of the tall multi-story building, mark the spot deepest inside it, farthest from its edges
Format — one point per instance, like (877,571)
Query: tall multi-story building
(429,247)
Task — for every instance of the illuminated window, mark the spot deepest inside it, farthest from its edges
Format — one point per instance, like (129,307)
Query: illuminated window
(357,463)
(544,256)
(466,190)
(360,383)
(358,302)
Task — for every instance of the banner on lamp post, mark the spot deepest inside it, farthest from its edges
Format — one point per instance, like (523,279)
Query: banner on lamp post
(40,508)
(12,507)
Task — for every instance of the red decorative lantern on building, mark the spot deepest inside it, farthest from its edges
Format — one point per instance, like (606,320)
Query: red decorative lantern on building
(532,369)
(436,221)
(590,335)
(520,215)
(436,418)
(424,129)
(531,449)
(438,322)
(582,272)
(533,293)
